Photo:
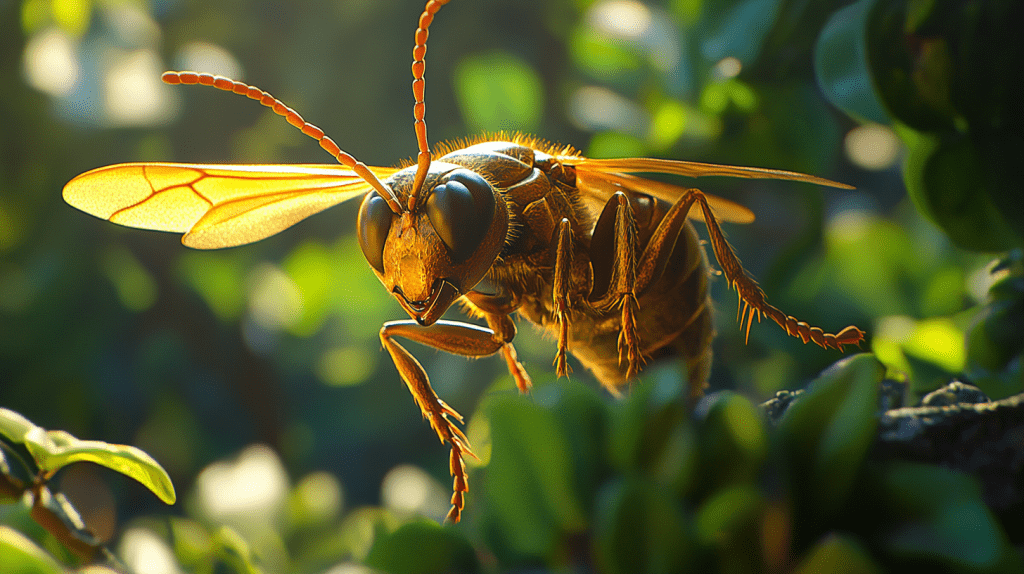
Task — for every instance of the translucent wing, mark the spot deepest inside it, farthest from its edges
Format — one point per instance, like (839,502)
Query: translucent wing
(598,179)
(214,205)
(596,187)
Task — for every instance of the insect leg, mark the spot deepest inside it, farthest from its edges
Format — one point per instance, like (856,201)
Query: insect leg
(457,338)
(623,284)
(560,292)
(752,298)
(504,331)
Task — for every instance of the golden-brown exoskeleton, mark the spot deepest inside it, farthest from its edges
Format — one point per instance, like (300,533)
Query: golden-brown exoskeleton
(603,259)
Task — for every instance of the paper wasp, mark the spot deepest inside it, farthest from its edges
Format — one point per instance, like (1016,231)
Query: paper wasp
(602,258)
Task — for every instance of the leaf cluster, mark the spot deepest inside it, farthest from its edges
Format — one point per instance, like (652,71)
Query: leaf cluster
(30,456)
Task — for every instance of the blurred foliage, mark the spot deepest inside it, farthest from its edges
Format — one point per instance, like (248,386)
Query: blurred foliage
(200,358)
(646,488)
(30,456)
(937,70)
(995,340)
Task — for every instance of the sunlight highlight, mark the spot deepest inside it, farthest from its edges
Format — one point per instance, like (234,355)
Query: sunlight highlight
(133,92)
(635,23)
(252,488)
(621,19)
(594,108)
(50,63)
(850,225)
(728,67)
(275,301)
(131,25)
(209,58)
(144,551)
(936,340)
(407,488)
(872,146)
(350,568)
(319,497)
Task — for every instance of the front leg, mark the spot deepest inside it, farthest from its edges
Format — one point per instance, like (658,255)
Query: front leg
(456,338)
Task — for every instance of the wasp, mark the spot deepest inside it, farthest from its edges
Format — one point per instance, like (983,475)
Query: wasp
(602,258)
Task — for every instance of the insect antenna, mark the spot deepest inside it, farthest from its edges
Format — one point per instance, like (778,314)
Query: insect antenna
(419,108)
(293,117)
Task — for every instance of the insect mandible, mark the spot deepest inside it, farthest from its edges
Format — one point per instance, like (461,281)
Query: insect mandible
(604,259)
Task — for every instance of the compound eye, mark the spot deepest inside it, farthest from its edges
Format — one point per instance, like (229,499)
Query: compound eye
(461,211)
(374,223)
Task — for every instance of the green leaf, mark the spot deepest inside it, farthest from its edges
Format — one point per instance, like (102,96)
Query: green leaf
(192,543)
(986,50)
(583,418)
(530,482)
(828,431)
(948,179)
(14,426)
(423,547)
(939,515)
(15,473)
(726,513)
(235,551)
(54,450)
(841,65)
(647,427)
(837,554)
(639,527)
(736,29)
(913,77)
(20,555)
(995,341)
(733,442)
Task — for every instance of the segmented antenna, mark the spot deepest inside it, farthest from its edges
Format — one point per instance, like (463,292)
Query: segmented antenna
(419,108)
(293,117)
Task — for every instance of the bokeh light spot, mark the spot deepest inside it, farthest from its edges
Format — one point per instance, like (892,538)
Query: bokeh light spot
(408,488)
(728,67)
(595,108)
(49,62)
(872,146)
(217,279)
(144,551)
(275,301)
(317,498)
(668,123)
(133,92)
(346,366)
(252,488)
(72,15)
(209,58)
(627,20)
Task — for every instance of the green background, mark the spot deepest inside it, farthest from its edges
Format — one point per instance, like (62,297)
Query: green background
(126,336)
